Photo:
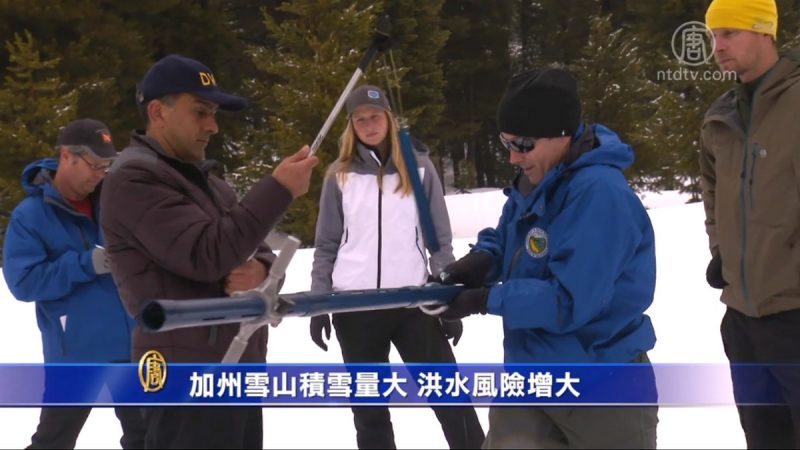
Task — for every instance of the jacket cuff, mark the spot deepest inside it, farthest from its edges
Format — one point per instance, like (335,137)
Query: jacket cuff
(494,305)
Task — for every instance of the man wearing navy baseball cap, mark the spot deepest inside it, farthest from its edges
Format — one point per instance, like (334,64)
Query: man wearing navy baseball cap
(174,231)
(176,74)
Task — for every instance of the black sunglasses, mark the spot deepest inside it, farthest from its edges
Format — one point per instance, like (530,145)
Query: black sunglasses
(519,145)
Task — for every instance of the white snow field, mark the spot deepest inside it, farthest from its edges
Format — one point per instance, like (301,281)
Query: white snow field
(686,314)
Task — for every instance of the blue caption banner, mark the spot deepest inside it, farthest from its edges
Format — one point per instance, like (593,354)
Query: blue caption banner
(157,383)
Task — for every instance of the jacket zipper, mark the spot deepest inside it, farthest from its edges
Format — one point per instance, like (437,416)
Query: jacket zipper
(517,253)
(743,196)
(746,192)
(752,172)
(87,246)
(743,207)
(380,216)
(514,260)
(380,233)
(416,242)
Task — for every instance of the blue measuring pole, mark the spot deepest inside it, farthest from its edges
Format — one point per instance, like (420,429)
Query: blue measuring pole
(423,206)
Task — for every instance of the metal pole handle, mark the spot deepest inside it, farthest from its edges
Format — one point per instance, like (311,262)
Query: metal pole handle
(268,291)
(335,111)
(380,41)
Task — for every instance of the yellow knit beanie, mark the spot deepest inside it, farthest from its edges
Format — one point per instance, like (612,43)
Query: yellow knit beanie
(759,16)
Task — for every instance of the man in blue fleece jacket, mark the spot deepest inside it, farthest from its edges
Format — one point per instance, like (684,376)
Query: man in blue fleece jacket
(575,252)
(53,255)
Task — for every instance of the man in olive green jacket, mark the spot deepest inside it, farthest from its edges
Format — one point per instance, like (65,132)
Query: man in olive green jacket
(750,167)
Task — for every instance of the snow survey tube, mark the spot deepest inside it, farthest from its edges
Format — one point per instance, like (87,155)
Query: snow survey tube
(165,315)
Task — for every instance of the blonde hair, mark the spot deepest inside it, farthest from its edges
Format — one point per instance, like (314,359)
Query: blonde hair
(348,150)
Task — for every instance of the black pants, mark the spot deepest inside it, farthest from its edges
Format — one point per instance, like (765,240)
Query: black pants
(366,336)
(204,427)
(60,427)
(770,339)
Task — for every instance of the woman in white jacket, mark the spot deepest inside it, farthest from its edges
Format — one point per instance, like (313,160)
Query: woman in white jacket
(369,236)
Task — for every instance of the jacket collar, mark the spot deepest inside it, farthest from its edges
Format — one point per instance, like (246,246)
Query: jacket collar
(592,145)
(371,155)
(784,74)
(37,180)
(140,139)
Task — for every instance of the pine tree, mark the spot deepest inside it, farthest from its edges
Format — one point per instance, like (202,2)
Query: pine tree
(104,49)
(36,105)
(318,44)
(477,69)
(466,176)
(418,39)
(788,24)
(548,32)
(616,92)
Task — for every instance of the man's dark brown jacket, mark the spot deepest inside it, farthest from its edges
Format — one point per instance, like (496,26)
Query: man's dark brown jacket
(173,231)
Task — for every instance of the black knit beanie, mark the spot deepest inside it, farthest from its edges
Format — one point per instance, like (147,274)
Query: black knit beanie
(540,103)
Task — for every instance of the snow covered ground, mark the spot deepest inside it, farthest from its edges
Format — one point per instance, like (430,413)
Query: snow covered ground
(686,314)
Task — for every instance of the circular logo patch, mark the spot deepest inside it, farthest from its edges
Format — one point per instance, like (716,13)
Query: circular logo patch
(536,242)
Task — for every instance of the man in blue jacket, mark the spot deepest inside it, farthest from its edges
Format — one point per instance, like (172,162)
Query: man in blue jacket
(575,252)
(53,256)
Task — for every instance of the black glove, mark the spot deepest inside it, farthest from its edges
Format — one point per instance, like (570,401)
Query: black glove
(714,272)
(318,323)
(453,329)
(467,302)
(471,270)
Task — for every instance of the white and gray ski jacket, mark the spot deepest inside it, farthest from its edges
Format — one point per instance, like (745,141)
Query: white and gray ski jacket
(368,238)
